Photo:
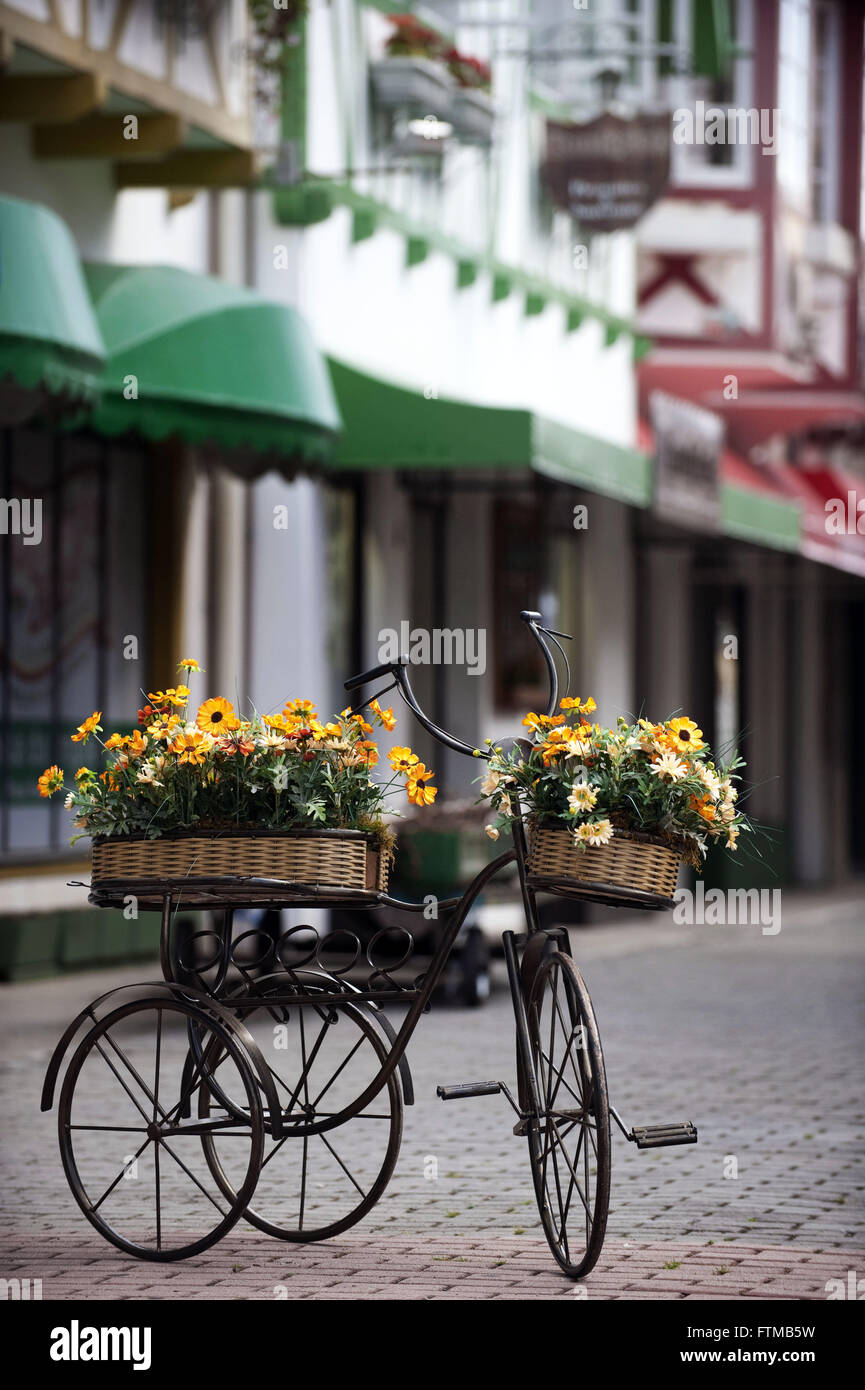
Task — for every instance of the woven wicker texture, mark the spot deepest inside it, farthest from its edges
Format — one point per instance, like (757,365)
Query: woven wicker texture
(334,861)
(626,862)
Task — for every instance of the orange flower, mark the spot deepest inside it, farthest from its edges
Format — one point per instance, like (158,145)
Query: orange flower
(51,780)
(90,726)
(216,716)
(582,706)
(136,744)
(234,743)
(418,790)
(386,716)
(305,708)
(367,752)
(116,741)
(704,807)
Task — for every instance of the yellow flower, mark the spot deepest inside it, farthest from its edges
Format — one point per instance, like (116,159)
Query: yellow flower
(51,780)
(191,748)
(402,759)
(417,789)
(116,741)
(179,696)
(84,774)
(683,736)
(216,716)
(90,726)
(164,729)
(189,664)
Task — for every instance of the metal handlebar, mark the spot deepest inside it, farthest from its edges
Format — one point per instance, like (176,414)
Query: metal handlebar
(398,670)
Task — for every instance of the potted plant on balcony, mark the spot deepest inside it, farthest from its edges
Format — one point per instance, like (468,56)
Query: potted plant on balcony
(613,812)
(472,110)
(197,792)
(412,77)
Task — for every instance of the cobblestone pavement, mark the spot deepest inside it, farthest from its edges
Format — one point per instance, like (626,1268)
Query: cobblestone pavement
(757,1039)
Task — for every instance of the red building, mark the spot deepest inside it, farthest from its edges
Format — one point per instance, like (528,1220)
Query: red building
(750,289)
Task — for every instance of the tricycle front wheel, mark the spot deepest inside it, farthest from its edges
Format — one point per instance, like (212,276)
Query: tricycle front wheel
(569,1139)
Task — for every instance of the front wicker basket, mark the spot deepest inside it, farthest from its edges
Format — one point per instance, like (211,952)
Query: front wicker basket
(336,859)
(630,863)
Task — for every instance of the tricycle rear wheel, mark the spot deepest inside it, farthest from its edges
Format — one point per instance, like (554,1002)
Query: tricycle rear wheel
(130,1148)
(318,1179)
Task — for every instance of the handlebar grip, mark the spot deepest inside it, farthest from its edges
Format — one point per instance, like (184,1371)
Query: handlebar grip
(384,669)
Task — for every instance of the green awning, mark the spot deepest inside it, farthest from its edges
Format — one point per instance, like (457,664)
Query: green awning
(390,426)
(760,518)
(50,344)
(208,362)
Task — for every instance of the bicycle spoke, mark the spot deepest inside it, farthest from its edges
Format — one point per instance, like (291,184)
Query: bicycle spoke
(191,1175)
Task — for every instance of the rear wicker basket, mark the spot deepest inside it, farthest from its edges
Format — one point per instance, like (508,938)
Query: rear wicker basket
(340,859)
(630,864)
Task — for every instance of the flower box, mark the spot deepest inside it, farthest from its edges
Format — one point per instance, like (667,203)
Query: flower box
(339,859)
(194,795)
(417,85)
(629,863)
(472,115)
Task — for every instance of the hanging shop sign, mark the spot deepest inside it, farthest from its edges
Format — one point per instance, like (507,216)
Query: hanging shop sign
(607,172)
(688,443)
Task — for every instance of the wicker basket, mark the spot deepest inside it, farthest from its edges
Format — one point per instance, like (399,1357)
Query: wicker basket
(341,859)
(631,863)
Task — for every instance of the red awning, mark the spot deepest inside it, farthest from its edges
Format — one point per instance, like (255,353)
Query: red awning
(832,499)
(792,411)
(773,396)
(810,488)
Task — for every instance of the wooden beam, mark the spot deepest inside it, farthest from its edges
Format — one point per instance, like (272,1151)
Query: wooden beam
(191,169)
(51,99)
(156,92)
(109,137)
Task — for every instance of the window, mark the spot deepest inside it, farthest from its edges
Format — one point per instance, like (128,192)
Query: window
(69,604)
(518,568)
(794,100)
(825,126)
(726,162)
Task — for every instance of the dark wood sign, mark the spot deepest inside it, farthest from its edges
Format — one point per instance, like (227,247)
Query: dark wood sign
(608,171)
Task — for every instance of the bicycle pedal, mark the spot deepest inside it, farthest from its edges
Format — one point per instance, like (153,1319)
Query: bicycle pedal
(469,1088)
(662,1136)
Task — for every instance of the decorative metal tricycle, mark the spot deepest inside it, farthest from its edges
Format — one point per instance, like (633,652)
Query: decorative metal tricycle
(255,1080)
